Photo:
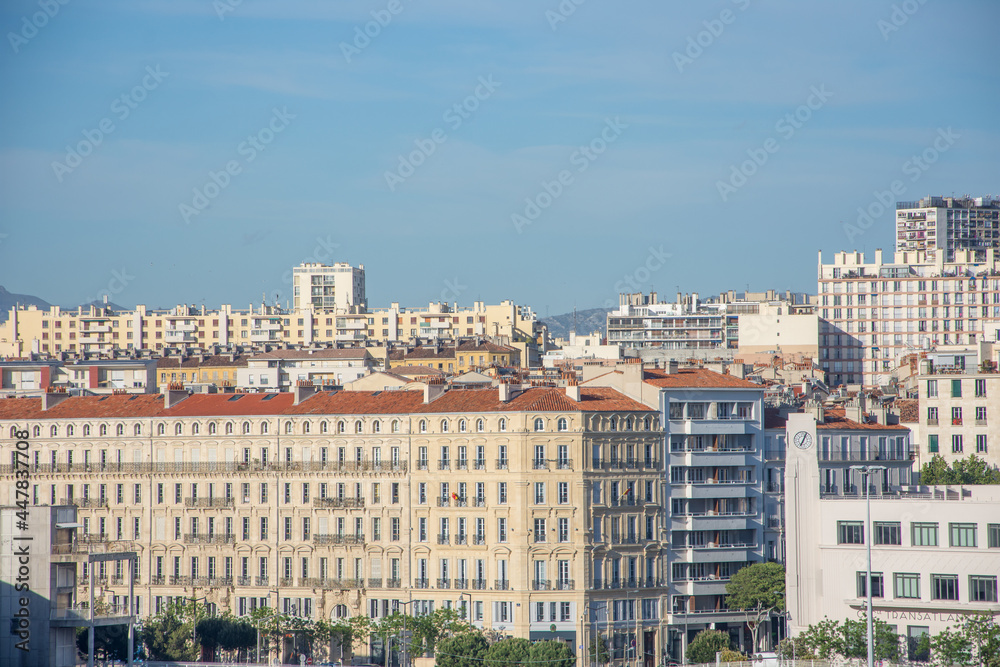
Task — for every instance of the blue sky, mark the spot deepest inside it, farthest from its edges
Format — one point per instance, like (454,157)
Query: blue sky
(664,120)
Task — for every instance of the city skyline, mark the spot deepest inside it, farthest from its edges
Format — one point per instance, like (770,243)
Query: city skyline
(302,135)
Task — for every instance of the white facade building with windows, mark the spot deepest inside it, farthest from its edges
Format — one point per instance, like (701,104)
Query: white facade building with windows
(325,288)
(935,553)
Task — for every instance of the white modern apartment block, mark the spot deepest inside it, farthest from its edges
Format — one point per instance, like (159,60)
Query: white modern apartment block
(713,429)
(871,314)
(935,550)
(325,288)
(959,413)
(280,370)
(945,225)
(691,324)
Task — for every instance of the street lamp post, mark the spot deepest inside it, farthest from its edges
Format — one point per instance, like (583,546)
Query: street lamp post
(194,621)
(402,640)
(865,472)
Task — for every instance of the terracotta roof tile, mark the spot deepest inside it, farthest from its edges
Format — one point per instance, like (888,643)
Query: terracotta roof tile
(223,405)
(909,410)
(834,419)
(700,378)
(84,407)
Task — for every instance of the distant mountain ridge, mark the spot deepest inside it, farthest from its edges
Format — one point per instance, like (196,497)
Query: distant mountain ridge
(587,321)
(8,300)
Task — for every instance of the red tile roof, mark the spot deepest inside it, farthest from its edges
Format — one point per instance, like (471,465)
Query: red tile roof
(834,419)
(909,410)
(700,378)
(75,407)
(345,353)
(223,405)
(534,399)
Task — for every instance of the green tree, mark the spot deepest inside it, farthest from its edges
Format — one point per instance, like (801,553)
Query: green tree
(975,642)
(225,632)
(510,652)
(110,642)
(598,651)
(830,639)
(855,645)
(729,655)
(759,591)
(551,653)
(971,470)
(168,635)
(462,650)
(706,644)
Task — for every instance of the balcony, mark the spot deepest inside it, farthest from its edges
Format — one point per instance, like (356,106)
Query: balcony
(444,464)
(564,464)
(326,539)
(565,584)
(461,583)
(461,539)
(374,583)
(480,464)
(203,538)
(155,580)
(539,464)
(286,582)
(208,502)
(261,581)
(501,464)
(421,583)
(444,539)
(932,422)
(345,503)
(421,464)
(443,502)
(541,585)
(180,580)
(956,421)
(393,583)
(479,584)
(444,583)
(501,584)
(462,464)
(980,422)
(479,539)
(244,581)
(90,503)
(479,502)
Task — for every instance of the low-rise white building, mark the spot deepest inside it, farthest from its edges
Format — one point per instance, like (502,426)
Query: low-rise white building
(935,550)
(279,370)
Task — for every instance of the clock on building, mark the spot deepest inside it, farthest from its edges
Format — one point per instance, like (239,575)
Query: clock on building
(803,440)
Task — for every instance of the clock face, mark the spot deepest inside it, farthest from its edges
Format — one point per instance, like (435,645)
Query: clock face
(803,440)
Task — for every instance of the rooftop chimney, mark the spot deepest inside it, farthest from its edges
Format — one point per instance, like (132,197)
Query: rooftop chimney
(53,396)
(434,388)
(303,390)
(672,367)
(174,394)
(573,390)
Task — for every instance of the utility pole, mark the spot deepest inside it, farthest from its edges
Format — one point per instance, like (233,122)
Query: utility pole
(865,472)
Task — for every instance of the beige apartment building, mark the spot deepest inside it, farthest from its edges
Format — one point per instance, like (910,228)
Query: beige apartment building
(872,314)
(333,504)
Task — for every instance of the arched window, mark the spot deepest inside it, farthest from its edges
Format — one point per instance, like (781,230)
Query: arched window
(358,428)
(444,425)
(53,431)
(86,430)
(160,429)
(213,428)
(288,427)
(613,424)
(229,428)
(120,429)
(177,429)
(137,429)
(305,427)
(263,428)
(395,426)
(628,424)
(13,433)
(341,427)
(340,611)
(563,424)
(480,425)
(37,431)
(246,428)
(324,427)
(645,424)
(462,426)
(69,430)
(103,429)
(376,427)
(539,424)
(195,429)
(503,425)
(423,426)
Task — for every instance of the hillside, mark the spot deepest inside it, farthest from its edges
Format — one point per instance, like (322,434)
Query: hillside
(587,321)
(8,300)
